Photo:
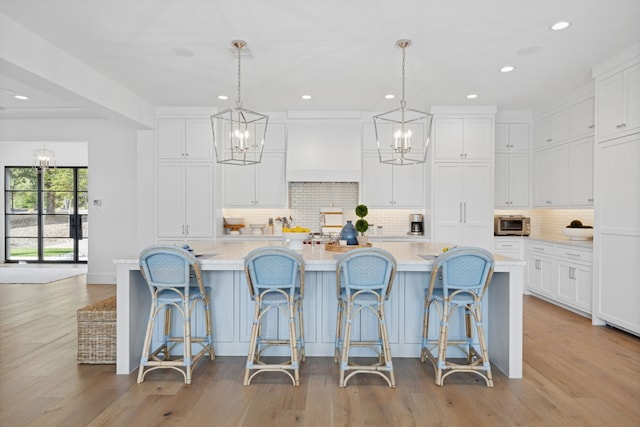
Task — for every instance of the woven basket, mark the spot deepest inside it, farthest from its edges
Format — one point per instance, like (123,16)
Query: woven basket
(97,333)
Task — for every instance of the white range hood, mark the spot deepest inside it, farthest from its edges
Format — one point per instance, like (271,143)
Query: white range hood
(324,149)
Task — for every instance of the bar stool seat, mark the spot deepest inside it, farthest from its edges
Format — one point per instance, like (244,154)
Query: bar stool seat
(275,276)
(175,282)
(364,278)
(459,280)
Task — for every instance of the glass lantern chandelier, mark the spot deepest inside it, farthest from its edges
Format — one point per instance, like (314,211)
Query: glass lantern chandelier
(239,133)
(403,134)
(44,158)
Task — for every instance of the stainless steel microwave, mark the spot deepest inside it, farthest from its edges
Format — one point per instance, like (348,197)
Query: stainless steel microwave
(511,225)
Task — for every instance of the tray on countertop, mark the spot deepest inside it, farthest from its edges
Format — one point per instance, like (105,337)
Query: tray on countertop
(336,247)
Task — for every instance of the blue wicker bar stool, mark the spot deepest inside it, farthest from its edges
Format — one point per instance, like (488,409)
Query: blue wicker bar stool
(275,276)
(364,278)
(459,280)
(175,282)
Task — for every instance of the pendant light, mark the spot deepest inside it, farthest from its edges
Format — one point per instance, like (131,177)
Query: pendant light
(44,158)
(403,134)
(239,133)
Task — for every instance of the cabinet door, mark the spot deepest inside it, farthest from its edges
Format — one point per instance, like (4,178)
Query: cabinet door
(171,134)
(581,172)
(502,137)
(239,185)
(408,186)
(199,200)
(198,139)
(582,119)
(541,179)
(566,282)
(501,181)
(477,215)
(632,99)
(449,139)
(171,200)
(546,280)
(377,182)
(478,139)
(559,175)
(448,203)
(575,285)
(519,180)
(560,127)
(542,132)
(519,136)
(270,181)
(609,99)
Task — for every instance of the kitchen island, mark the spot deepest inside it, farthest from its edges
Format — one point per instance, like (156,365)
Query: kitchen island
(232,309)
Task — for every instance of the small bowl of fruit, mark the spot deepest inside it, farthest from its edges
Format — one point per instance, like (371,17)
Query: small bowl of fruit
(577,231)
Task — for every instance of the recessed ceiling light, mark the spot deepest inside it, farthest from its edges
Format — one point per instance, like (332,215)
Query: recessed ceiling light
(223,97)
(21,97)
(507,69)
(389,96)
(560,25)
(472,96)
(306,97)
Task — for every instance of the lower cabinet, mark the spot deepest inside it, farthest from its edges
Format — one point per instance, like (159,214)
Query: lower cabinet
(512,247)
(561,274)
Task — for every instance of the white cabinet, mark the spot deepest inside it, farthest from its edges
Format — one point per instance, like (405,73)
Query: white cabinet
(261,185)
(582,120)
(581,172)
(560,273)
(512,180)
(552,129)
(512,247)
(186,139)
(463,206)
(389,186)
(618,103)
(469,139)
(512,137)
(185,200)
(539,257)
(574,275)
(551,177)
(617,229)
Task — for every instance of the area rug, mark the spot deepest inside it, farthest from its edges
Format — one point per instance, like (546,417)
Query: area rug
(37,274)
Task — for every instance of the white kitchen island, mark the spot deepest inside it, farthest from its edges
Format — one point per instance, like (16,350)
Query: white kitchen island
(232,309)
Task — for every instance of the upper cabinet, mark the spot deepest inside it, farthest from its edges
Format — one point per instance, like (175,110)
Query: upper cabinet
(618,97)
(582,120)
(462,139)
(262,185)
(512,137)
(390,186)
(186,139)
(552,129)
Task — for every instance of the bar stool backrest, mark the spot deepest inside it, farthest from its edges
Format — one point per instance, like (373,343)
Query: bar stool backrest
(169,267)
(463,269)
(371,269)
(272,268)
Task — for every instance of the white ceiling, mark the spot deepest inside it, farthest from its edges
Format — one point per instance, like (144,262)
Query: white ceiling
(342,53)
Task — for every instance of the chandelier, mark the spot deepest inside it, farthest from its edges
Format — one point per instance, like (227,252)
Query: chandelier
(44,158)
(239,133)
(403,134)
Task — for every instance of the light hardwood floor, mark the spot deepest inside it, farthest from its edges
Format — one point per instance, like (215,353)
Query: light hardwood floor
(574,374)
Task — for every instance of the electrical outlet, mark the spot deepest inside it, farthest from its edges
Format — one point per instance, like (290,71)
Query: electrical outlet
(97,202)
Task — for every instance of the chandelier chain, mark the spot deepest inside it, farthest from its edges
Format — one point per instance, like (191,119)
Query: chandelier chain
(239,102)
(403,103)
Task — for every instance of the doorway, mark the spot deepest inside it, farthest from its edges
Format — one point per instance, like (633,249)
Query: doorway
(46,214)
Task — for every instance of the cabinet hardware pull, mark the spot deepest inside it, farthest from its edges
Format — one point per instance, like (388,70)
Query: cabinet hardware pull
(549,140)
(572,255)
(592,126)
(187,228)
(182,228)
(460,212)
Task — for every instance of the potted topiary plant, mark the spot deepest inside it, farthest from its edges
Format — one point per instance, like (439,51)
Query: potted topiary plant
(362,225)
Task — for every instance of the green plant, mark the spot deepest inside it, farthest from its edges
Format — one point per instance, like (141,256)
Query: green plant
(362,225)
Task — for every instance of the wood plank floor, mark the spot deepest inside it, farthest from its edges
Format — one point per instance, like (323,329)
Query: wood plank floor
(574,374)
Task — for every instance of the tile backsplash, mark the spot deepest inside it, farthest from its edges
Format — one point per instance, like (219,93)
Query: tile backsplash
(306,199)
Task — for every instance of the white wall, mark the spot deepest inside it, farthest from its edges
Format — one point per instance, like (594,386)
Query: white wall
(112,162)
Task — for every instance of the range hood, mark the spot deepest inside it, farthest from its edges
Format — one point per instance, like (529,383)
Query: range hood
(324,150)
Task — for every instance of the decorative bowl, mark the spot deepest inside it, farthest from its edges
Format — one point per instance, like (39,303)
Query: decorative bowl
(233,221)
(295,240)
(578,233)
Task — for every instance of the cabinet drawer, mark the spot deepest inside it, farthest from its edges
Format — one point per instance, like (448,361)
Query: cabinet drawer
(541,248)
(508,245)
(574,254)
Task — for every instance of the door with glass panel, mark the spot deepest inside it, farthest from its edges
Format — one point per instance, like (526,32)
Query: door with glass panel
(46,214)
